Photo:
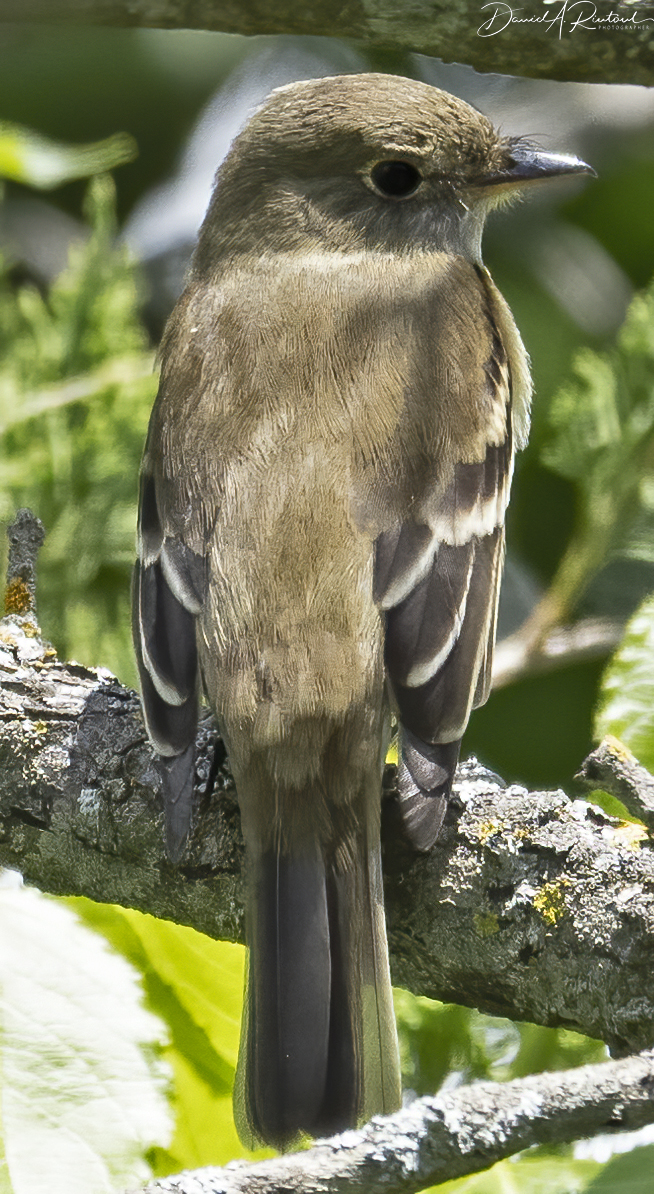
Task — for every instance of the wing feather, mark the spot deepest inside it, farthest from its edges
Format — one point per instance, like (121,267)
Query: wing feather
(168,591)
(437,579)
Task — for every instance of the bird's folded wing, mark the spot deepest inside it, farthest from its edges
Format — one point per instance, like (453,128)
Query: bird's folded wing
(168,592)
(437,579)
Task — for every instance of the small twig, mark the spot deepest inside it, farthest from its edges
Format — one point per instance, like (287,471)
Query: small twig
(613,769)
(122,371)
(525,653)
(456,1133)
(26,535)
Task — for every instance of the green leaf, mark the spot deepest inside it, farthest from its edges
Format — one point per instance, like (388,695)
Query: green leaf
(626,703)
(535,1173)
(84,1086)
(29,157)
(196,985)
(629,1173)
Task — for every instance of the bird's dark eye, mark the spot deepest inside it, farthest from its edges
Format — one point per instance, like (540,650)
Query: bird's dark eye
(396,179)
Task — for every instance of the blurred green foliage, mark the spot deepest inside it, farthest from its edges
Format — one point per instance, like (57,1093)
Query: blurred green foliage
(603,441)
(76,460)
(81,84)
(618,211)
(437,1040)
(629,1174)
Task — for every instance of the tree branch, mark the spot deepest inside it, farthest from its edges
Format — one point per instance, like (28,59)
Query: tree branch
(566,40)
(613,768)
(531,905)
(456,1133)
(526,653)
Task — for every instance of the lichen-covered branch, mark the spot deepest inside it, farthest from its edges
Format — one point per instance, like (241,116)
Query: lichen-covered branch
(574,39)
(531,905)
(613,769)
(456,1133)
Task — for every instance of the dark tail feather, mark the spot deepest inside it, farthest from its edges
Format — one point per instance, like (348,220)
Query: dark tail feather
(379,1084)
(424,779)
(178,779)
(318,1047)
(288,996)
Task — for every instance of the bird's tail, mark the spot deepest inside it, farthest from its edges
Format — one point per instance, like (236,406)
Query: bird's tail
(319,1047)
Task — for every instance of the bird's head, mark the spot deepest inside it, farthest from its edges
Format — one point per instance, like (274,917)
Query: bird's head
(368,161)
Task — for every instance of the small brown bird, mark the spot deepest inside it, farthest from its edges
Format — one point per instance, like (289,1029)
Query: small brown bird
(321,539)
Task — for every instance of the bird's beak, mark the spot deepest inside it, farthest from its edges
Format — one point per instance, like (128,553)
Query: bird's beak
(528,164)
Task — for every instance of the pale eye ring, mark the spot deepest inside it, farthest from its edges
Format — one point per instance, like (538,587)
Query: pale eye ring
(395,179)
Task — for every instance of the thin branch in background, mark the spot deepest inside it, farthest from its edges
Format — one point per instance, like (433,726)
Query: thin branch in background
(536,648)
(436,1139)
(120,371)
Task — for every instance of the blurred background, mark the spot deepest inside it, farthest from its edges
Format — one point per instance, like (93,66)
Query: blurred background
(94,245)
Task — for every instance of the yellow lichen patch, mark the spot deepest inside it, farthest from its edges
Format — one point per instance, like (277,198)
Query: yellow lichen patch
(392,753)
(49,655)
(486,923)
(617,749)
(18,599)
(630,834)
(550,900)
(488,829)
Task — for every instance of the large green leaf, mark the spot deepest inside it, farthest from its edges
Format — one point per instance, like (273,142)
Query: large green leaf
(630,1173)
(84,1085)
(196,985)
(626,704)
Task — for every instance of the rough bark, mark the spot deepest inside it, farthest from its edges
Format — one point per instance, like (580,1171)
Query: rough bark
(613,769)
(579,40)
(531,905)
(456,1133)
